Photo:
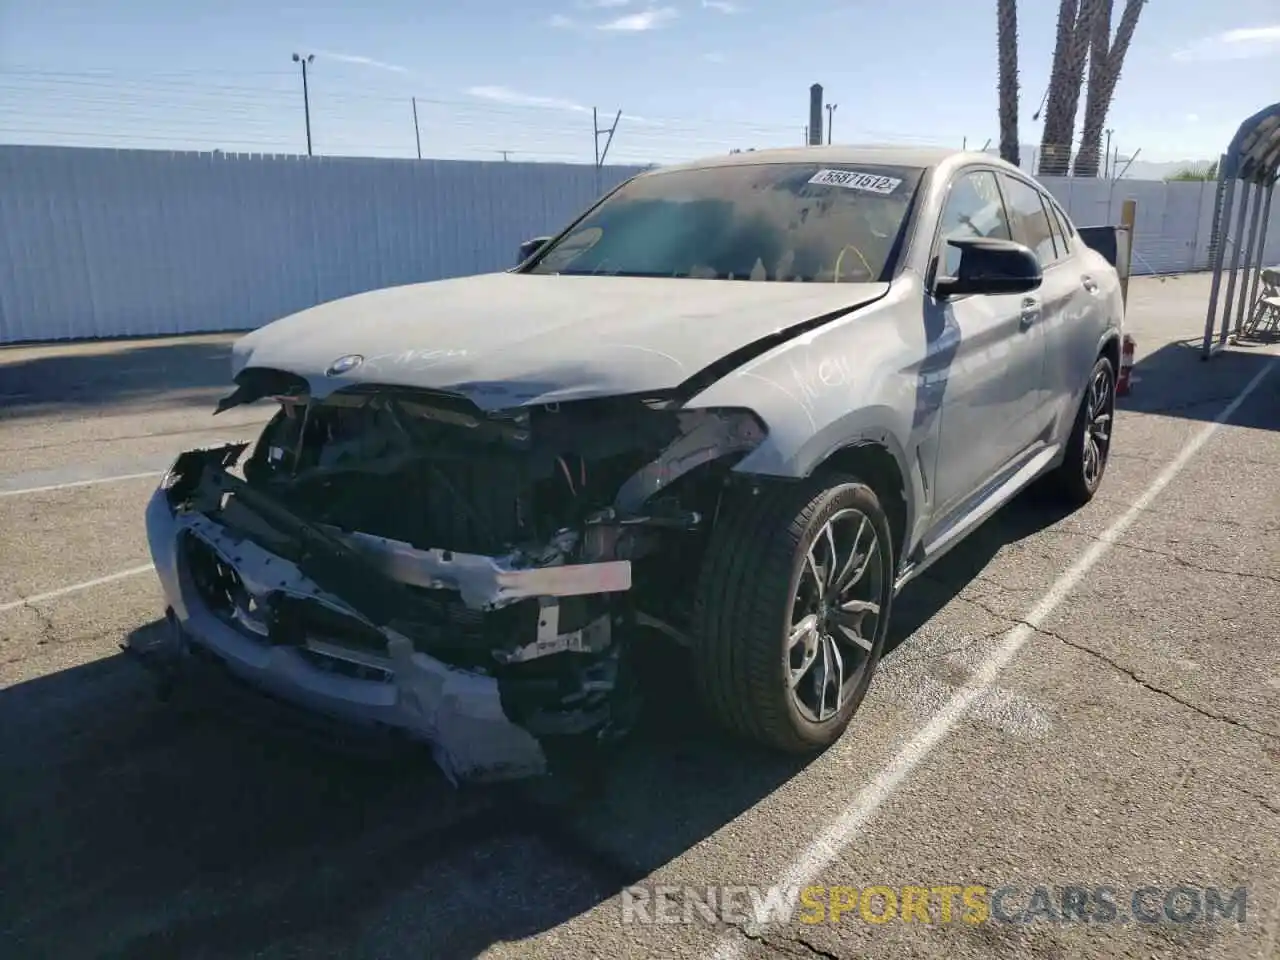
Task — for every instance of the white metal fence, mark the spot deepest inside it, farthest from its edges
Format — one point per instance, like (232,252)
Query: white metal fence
(102,243)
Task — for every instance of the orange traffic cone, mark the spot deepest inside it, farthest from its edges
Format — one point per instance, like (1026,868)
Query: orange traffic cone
(1123,381)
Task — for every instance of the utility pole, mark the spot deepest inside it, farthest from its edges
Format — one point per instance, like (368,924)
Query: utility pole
(601,154)
(1128,164)
(504,154)
(815,115)
(416,137)
(831,109)
(306,97)
(1106,156)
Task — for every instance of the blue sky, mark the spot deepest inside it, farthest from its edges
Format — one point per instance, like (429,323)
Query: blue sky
(691,77)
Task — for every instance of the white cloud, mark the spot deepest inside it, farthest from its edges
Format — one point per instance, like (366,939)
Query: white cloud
(1193,118)
(1253,34)
(714,57)
(361,61)
(562,22)
(723,6)
(515,98)
(1242,43)
(603,4)
(649,19)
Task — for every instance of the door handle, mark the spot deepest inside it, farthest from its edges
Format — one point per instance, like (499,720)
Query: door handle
(1090,285)
(1030,312)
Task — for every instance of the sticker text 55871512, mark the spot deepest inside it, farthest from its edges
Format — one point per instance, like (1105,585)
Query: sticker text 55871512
(853,180)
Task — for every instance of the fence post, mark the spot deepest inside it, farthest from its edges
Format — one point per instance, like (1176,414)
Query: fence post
(1128,216)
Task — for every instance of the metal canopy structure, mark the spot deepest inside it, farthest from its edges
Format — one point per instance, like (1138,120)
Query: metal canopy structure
(1247,175)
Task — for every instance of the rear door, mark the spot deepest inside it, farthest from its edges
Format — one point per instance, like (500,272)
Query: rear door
(987,351)
(1072,343)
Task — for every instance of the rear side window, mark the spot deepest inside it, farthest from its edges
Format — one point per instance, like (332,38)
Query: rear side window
(974,208)
(1067,227)
(1061,231)
(1031,222)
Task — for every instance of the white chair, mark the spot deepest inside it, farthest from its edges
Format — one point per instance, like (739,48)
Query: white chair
(1265,314)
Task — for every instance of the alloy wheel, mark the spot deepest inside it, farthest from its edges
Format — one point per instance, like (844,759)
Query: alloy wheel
(835,614)
(1100,410)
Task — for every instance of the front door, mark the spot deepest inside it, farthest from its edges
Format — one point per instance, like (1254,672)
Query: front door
(996,356)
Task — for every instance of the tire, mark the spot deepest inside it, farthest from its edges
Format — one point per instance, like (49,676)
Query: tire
(1076,480)
(746,604)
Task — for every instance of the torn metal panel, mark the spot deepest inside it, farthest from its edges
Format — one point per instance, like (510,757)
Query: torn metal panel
(488,583)
(706,436)
(595,637)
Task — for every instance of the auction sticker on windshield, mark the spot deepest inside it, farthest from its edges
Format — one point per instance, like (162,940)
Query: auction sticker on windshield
(852,180)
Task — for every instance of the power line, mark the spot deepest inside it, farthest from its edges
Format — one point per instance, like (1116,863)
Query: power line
(352,93)
(188,109)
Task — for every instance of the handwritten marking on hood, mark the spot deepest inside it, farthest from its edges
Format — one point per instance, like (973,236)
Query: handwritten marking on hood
(418,358)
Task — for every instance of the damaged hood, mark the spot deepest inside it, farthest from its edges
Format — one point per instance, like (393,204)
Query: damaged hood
(507,339)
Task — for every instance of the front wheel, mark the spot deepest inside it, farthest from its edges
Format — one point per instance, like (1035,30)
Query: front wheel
(792,611)
(1080,474)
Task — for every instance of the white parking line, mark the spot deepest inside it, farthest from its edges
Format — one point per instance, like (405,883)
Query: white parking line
(828,845)
(80,483)
(63,591)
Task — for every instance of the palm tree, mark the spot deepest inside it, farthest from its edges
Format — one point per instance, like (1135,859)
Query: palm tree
(1106,58)
(1196,172)
(1007,61)
(1063,99)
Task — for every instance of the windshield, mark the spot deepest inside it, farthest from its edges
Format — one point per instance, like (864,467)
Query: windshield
(780,222)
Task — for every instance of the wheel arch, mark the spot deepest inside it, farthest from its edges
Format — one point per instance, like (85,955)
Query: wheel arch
(881,469)
(1109,347)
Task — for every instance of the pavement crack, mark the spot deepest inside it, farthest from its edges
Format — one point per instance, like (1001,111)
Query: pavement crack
(1269,804)
(774,943)
(1177,558)
(48,631)
(1147,685)
(1115,665)
(1181,516)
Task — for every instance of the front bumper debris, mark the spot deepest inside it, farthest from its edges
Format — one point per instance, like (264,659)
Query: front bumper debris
(390,690)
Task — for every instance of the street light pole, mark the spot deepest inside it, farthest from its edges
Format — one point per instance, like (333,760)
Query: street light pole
(831,109)
(306,98)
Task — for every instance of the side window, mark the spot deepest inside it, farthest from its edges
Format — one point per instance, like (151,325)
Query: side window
(1068,229)
(1061,232)
(974,208)
(1030,220)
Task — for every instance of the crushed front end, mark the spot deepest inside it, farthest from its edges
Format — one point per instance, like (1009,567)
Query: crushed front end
(405,561)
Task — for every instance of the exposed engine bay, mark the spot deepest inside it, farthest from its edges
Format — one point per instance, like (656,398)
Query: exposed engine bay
(532,548)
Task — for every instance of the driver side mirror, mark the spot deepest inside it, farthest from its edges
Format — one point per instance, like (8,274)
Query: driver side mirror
(531,247)
(992,266)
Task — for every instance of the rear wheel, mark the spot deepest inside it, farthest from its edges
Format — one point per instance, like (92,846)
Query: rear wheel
(1088,449)
(792,611)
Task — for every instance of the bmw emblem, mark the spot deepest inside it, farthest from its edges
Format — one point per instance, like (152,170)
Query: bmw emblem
(344,365)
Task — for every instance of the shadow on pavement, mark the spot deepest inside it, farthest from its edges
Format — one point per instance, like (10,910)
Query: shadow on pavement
(1175,382)
(66,379)
(132,828)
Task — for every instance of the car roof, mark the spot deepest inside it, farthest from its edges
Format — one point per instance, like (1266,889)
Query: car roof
(879,155)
